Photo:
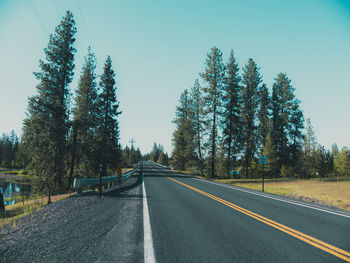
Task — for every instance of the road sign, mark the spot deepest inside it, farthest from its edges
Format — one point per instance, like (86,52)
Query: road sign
(119,170)
(262,159)
(234,172)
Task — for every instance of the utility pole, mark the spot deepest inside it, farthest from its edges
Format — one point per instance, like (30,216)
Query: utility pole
(132,146)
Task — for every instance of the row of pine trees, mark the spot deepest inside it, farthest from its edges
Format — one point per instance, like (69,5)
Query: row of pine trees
(61,139)
(230,119)
(9,145)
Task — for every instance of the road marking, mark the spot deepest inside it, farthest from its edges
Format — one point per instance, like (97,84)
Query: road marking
(232,187)
(278,199)
(340,253)
(147,233)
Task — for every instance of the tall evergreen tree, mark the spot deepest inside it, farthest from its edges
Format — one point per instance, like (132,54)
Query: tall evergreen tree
(9,144)
(287,120)
(183,138)
(214,77)
(251,80)
(231,110)
(108,150)
(282,95)
(156,150)
(310,146)
(198,122)
(46,126)
(269,150)
(82,141)
(295,131)
(264,115)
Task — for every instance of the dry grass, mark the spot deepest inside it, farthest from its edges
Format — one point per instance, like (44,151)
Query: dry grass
(328,193)
(16,211)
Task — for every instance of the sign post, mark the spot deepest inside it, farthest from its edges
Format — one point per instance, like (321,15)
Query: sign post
(119,173)
(100,186)
(2,204)
(263,161)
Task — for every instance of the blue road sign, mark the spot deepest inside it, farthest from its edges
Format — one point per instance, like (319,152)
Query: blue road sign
(263,159)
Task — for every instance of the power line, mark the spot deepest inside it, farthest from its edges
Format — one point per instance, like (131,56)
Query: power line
(38,18)
(132,143)
(132,147)
(83,20)
(57,9)
(40,21)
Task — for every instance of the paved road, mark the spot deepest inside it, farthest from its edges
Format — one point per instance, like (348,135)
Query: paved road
(193,220)
(175,218)
(81,229)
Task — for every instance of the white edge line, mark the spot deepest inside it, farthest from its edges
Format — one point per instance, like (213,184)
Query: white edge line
(232,187)
(147,233)
(275,198)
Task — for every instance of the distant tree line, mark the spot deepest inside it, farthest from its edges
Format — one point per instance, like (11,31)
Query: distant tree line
(224,124)
(157,155)
(60,139)
(130,156)
(9,145)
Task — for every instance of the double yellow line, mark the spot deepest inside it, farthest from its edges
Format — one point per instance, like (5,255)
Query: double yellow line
(340,253)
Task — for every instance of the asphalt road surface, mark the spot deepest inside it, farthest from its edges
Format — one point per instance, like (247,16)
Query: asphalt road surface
(166,217)
(193,220)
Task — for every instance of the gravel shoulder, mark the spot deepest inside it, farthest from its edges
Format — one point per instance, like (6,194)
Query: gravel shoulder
(81,229)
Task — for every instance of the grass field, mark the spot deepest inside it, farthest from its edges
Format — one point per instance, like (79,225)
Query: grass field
(335,194)
(16,211)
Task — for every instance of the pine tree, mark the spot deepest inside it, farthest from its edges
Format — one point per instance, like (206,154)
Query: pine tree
(82,141)
(264,114)
(9,144)
(198,122)
(46,126)
(214,77)
(295,131)
(323,162)
(251,80)
(154,155)
(342,162)
(183,138)
(310,146)
(287,121)
(270,152)
(14,148)
(107,139)
(231,109)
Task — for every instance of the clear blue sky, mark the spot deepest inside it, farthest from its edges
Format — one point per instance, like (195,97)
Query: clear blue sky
(159,47)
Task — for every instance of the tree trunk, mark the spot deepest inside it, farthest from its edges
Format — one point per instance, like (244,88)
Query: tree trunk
(212,172)
(49,196)
(199,146)
(72,164)
(229,142)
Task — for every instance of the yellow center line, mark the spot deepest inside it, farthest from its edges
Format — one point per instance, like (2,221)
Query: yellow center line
(340,253)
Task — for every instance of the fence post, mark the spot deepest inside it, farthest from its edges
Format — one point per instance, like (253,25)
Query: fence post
(2,205)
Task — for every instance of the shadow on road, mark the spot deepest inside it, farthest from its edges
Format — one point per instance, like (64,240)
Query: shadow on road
(133,182)
(119,191)
(163,173)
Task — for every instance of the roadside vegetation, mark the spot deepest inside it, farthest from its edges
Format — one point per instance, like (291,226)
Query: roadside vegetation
(65,134)
(13,213)
(321,191)
(229,118)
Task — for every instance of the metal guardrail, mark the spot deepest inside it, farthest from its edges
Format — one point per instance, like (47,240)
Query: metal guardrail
(163,166)
(79,183)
